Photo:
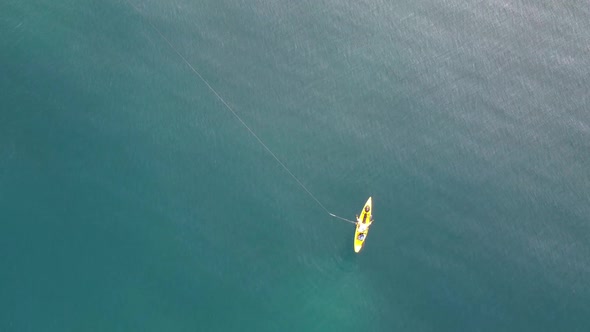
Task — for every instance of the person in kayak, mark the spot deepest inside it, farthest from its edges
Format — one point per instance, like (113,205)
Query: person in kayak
(363,225)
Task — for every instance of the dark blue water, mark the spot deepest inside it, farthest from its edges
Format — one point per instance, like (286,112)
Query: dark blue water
(131,198)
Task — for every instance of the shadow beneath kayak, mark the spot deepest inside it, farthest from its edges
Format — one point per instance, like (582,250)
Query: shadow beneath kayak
(346,258)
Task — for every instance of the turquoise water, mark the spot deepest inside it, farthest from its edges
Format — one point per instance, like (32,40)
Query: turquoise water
(131,199)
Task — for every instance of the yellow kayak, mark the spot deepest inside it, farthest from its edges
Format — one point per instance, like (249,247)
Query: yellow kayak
(362,225)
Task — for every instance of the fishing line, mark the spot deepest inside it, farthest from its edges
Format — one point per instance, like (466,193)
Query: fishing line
(240,119)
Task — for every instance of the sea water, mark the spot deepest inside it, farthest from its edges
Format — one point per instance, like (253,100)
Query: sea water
(132,199)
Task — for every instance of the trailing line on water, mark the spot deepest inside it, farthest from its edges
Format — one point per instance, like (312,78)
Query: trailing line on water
(239,118)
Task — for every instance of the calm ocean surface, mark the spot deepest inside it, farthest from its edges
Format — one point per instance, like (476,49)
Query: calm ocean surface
(131,199)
